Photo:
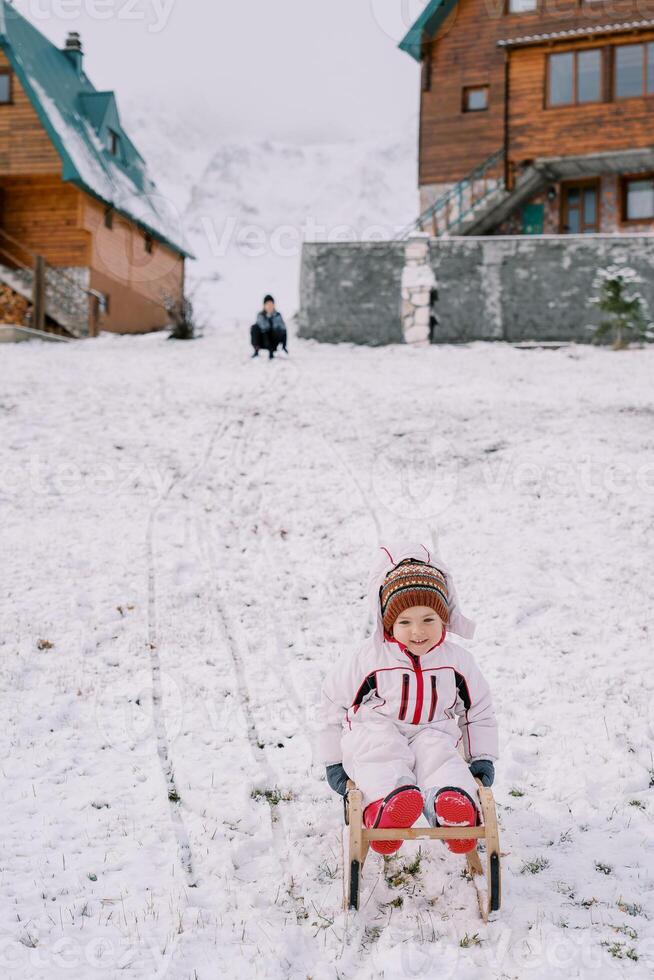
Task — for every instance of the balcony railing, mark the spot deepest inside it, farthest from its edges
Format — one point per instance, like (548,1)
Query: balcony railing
(449,212)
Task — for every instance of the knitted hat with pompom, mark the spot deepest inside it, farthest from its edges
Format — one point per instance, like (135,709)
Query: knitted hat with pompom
(413,583)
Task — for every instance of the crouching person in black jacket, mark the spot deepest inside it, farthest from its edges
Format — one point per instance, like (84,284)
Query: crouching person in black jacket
(269,332)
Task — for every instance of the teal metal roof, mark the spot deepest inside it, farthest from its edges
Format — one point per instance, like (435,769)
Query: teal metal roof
(426,26)
(83,125)
(98,107)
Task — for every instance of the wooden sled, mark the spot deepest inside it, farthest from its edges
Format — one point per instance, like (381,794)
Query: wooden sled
(359,838)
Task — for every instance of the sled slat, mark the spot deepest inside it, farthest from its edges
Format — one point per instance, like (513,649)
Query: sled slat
(420,833)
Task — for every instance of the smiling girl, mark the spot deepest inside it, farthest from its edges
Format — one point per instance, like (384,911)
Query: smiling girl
(393,715)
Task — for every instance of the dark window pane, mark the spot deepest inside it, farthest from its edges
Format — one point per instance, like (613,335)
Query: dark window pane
(573,197)
(561,78)
(476,99)
(650,69)
(590,206)
(640,199)
(5,88)
(629,70)
(573,221)
(589,76)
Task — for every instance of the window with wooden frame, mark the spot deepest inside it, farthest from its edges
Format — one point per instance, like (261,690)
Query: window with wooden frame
(475,98)
(633,70)
(580,207)
(637,194)
(521,6)
(6,87)
(575,77)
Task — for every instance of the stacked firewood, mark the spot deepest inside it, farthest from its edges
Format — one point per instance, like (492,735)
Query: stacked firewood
(13,307)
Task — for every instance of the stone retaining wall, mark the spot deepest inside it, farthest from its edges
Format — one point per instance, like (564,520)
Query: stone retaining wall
(351,291)
(514,288)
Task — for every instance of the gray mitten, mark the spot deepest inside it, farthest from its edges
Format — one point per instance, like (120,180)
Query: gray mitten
(484,770)
(337,778)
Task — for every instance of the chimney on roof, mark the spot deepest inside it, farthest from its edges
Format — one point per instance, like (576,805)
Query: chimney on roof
(73,50)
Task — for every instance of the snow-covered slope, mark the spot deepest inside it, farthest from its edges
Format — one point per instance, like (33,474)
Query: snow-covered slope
(247,206)
(186,535)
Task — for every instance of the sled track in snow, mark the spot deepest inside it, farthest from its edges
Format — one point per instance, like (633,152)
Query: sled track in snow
(363,493)
(245,424)
(234,644)
(287,855)
(158,715)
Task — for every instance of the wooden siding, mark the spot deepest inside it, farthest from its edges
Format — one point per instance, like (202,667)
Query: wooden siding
(25,147)
(536,130)
(43,215)
(66,227)
(465,52)
(129,311)
(453,142)
(137,282)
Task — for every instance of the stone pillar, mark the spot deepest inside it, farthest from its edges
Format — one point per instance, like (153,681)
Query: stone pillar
(418,280)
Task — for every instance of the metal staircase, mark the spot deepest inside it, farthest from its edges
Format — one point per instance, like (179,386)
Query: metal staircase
(458,207)
(479,203)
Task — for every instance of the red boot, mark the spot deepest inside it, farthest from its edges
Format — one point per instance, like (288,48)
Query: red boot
(454,808)
(401,809)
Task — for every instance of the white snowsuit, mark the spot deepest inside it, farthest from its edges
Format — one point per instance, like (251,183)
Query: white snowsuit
(393,718)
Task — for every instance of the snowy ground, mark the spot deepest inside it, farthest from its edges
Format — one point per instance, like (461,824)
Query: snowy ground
(186,536)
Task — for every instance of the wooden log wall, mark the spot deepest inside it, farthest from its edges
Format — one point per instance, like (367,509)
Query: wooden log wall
(465,53)
(25,147)
(43,214)
(137,281)
(536,130)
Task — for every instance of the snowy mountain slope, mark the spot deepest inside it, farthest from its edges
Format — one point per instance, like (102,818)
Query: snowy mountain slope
(247,207)
(189,556)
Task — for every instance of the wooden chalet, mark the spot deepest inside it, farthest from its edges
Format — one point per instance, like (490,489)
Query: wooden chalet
(86,241)
(536,116)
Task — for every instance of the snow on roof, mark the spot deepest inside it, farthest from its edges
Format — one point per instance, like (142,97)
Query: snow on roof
(80,124)
(573,32)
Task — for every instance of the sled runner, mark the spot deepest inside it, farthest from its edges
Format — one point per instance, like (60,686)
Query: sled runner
(359,837)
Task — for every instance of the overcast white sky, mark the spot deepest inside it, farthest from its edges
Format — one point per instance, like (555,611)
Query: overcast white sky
(299,69)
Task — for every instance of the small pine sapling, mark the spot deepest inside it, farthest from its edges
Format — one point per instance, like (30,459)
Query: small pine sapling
(625,308)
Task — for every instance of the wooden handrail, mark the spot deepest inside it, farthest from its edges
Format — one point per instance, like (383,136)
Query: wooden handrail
(34,256)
